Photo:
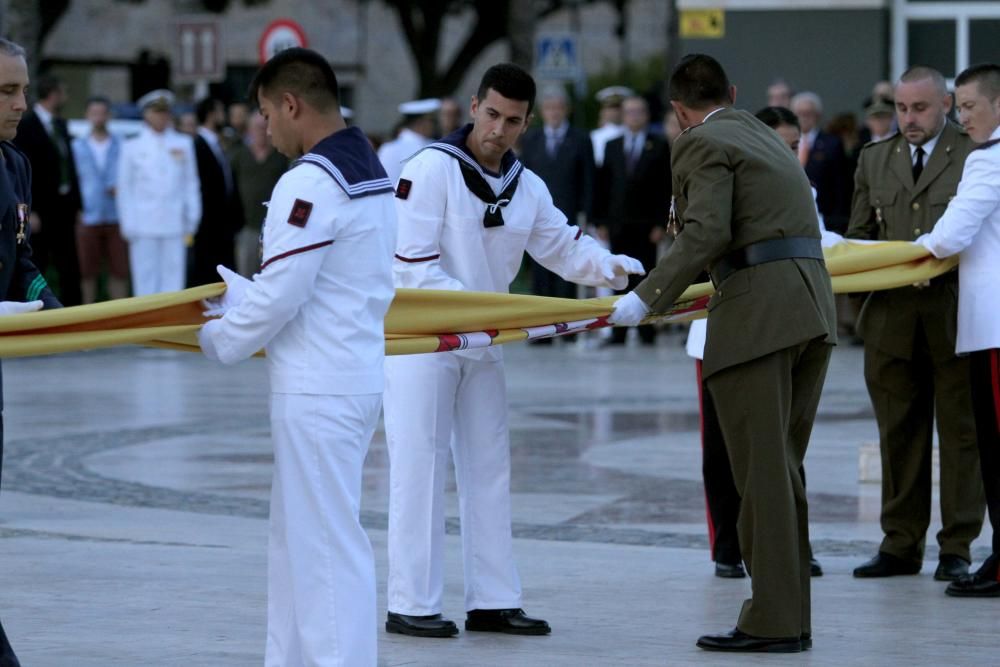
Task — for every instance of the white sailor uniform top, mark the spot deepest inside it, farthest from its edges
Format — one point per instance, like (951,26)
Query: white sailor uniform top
(325,282)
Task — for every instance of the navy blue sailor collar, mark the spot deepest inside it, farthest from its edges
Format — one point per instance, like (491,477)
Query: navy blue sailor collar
(455,145)
(347,156)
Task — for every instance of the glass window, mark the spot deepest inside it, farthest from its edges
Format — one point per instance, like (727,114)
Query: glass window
(984,41)
(932,43)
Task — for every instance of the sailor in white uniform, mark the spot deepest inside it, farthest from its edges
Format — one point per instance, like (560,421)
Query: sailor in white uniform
(970,228)
(609,119)
(317,306)
(416,132)
(159,198)
(467,212)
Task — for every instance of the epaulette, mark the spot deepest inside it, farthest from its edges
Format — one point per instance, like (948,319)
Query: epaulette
(987,144)
(881,141)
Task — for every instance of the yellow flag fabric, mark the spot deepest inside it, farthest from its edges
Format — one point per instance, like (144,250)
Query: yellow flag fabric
(428,320)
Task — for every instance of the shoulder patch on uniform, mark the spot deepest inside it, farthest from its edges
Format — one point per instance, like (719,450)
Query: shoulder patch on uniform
(301,210)
(403,188)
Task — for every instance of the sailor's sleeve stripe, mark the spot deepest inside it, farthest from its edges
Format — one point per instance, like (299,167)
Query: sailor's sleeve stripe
(296,251)
(414,260)
(579,233)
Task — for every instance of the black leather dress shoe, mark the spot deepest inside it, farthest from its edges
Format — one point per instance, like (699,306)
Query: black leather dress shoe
(806,638)
(508,621)
(730,570)
(951,568)
(737,640)
(420,626)
(887,565)
(815,569)
(974,586)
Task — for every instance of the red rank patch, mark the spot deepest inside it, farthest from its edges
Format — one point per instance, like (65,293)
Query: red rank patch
(403,188)
(301,210)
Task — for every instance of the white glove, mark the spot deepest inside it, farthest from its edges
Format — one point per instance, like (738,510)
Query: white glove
(236,287)
(206,338)
(16,307)
(628,311)
(615,269)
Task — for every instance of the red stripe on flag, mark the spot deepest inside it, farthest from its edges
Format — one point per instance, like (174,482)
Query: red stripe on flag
(410,260)
(283,255)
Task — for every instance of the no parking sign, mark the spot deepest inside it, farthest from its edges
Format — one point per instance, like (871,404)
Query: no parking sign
(279,35)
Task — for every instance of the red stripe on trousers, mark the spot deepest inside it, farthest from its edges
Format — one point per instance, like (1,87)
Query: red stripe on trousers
(995,382)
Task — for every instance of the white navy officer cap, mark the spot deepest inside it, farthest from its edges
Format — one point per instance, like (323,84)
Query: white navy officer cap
(613,94)
(420,107)
(161,99)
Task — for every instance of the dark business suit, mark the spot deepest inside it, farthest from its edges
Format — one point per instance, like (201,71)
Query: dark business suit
(770,328)
(829,170)
(55,194)
(221,217)
(569,176)
(19,279)
(631,201)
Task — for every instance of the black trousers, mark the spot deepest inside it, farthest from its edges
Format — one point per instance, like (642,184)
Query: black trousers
(55,246)
(721,498)
(7,657)
(985,379)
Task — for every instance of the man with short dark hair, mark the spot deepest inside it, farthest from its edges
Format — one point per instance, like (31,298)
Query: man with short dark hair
(98,238)
(771,324)
(22,287)
(914,378)
(317,305)
(971,226)
(55,193)
(468,211)
(221,208)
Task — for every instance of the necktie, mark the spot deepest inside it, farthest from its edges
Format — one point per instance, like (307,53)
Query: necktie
(61,148)
(804,150)
(551,142)
(632,152)
(918,166)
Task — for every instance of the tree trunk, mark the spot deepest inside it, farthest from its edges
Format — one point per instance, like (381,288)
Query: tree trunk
(22,23)
(673,54)
(521,29)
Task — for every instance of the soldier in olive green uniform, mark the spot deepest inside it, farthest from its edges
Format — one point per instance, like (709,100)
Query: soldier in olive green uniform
(748,215)
(911,369)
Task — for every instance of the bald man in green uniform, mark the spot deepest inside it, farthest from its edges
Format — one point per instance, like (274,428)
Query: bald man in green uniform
(745,211)
(903,185)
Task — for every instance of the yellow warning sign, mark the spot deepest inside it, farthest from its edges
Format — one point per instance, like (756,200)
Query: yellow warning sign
(703,23)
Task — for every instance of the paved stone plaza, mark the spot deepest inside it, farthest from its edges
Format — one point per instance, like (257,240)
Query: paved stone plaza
(134,506)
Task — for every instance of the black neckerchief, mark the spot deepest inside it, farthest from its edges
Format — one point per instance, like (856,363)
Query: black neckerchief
(475,176)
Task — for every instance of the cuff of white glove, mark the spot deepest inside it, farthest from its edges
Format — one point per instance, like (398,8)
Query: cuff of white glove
(207,339)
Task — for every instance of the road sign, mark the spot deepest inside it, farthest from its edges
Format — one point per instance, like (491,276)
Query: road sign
(557,57)
(279,35)
(199,51)
(703,23)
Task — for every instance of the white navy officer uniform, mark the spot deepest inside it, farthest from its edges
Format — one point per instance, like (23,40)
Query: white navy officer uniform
(393,154)
(159,203)
(317,306)
(970,228)
(451,238)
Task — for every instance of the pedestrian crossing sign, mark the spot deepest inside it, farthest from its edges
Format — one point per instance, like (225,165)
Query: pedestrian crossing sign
(557,57)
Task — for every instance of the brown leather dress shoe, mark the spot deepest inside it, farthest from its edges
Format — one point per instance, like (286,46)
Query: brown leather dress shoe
(737,640)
